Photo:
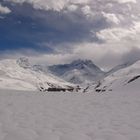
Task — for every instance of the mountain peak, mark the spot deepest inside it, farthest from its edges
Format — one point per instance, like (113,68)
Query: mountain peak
(80,61)
(78,70)
(23,62)
(81,64)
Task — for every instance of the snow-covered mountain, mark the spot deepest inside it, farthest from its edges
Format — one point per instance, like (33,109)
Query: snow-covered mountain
(21,75)
(119,67)
(78,72)
(122,75)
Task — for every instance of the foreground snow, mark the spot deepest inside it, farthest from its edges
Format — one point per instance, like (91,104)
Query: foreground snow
(69,116)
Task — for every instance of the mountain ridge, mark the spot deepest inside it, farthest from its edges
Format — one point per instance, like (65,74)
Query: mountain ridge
(19,74)
(126,75)
(77,71)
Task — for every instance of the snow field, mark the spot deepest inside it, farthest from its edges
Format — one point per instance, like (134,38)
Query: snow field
(69,116)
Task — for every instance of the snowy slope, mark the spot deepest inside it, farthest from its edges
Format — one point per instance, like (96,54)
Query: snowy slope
(120,78)
(93,116)
(119,67)
(19,74)
(78,72)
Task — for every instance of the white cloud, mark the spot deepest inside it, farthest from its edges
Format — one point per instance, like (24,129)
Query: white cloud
(86,10)
(121,45)
(52,4)
(88,7)
(106,55)
(79,1)
(120,38)
(116,34)
(4,10)
(111,17)
(44,4)
(72,7)
(126,1)
(121,34)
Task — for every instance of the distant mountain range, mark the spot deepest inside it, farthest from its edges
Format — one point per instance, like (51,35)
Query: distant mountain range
(78,72)
(22,75)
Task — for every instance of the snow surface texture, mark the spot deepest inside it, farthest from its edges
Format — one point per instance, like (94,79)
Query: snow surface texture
(20,75)
(75,116)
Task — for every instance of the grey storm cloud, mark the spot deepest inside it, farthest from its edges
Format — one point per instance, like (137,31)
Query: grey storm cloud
(90,15)
(105,31)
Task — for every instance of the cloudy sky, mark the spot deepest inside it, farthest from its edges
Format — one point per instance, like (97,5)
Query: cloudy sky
(51,32)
